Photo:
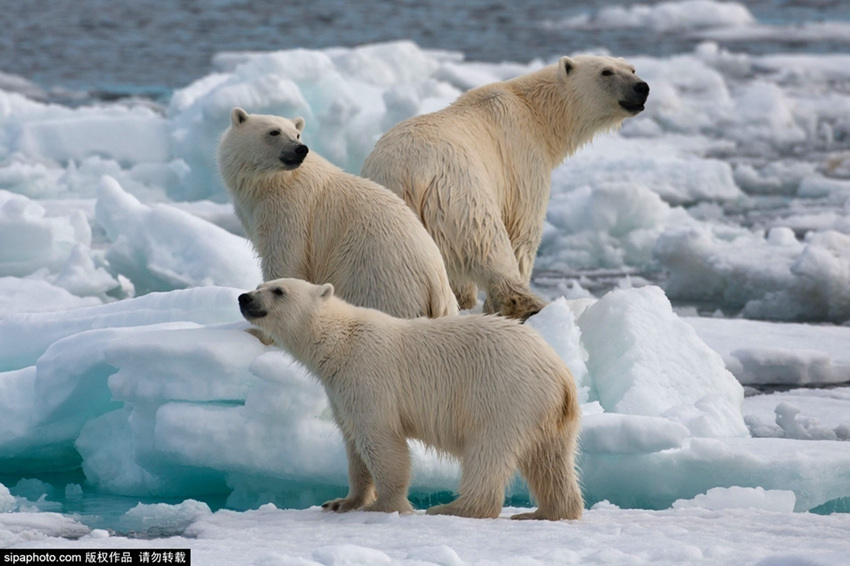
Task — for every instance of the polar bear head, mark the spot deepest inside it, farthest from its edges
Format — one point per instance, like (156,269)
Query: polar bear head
(263,142)
(284,307)
(606,89)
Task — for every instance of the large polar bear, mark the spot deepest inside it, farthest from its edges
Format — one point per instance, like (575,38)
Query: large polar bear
(477,173)
(485,389)
(309,219)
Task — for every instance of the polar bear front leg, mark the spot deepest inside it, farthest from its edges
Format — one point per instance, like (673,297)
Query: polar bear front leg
(361,488)
(525,253)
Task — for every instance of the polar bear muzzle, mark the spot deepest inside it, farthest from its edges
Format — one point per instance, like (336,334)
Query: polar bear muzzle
(250,307)
(635,98)
(293,158)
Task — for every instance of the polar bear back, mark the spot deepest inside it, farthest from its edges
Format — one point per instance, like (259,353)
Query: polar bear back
(494,371)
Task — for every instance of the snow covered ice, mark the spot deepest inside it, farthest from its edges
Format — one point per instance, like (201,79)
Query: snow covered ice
(698,256)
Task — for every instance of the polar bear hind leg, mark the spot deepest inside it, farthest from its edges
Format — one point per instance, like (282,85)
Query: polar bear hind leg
(549,469)
(485,472)
(494,268)
(466,294)
(512,300)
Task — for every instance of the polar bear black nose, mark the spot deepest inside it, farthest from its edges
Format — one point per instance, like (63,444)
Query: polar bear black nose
(642,88)
(244,300)
(301,150)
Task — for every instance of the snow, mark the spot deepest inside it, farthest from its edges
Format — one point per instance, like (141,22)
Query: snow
(32,240)
(95,131)
(162,247)
(606,535)
(30,295)
(698,262)
(144,517)
(807,31)
(800,413)
(705,19)
(688,15)
(718,498)
(645,361)
(780,353)
(793,279)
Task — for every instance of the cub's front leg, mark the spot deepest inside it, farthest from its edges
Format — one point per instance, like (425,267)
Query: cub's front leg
(388,457)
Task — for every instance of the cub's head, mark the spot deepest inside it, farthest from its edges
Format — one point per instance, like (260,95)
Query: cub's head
(606,88)
(262,142)
(284,307)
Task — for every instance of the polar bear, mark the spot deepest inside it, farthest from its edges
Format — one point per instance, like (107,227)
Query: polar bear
(477,173)
(487,390)
(310,220)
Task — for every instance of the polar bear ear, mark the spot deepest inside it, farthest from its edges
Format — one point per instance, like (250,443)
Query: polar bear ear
(567,64)
(238,116)
(325,291)
(299,123)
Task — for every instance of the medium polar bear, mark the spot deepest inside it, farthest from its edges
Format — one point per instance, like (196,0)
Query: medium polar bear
(477,173)
(485,389)
(309,219)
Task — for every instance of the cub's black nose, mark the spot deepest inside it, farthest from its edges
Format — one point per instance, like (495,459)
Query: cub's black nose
(301,150)
(642,88)
(250,308)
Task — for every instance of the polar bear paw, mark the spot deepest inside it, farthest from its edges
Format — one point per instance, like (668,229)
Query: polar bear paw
(260,335)
(397,505)
(460,510)
(342,505)
(519,306)
(535,516)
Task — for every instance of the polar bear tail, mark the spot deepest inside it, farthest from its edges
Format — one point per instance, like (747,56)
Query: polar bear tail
(570,413)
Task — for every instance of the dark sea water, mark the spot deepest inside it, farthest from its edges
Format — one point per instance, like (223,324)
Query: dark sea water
(112,48)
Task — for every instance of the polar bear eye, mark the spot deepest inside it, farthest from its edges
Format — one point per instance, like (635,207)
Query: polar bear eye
(607,73)
(278,291)
(274,133)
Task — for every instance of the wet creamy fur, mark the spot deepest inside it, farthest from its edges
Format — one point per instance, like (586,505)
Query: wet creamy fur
(318,223)
(478,172)
(484,389)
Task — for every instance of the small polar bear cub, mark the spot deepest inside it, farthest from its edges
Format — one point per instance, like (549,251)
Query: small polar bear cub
(484,389)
